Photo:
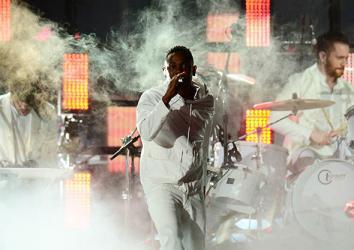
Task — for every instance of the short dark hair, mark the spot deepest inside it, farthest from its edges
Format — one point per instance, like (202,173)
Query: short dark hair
(187,54)
(325,41)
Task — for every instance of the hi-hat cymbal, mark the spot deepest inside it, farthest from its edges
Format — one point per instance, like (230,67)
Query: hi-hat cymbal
(294,104)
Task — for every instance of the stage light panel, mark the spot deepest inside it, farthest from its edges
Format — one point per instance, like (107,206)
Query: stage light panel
(75,92)
(256,119)
(218,61)
(5,20)
(349,69)
(77,201)
(258,23)
(218,28)
(121,121)
(119,164)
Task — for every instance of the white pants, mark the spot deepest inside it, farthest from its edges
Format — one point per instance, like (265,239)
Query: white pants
(179,222)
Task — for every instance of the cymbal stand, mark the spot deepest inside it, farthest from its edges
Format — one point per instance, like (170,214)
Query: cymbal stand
(222,91)
(258,156)
(259,162)
(294,112)
(266,126)
(258,131)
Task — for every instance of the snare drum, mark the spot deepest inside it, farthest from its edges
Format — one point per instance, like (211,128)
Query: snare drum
(319,197)
(238,189)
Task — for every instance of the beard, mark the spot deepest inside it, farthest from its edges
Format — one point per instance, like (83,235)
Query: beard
(339,72)
(334,72)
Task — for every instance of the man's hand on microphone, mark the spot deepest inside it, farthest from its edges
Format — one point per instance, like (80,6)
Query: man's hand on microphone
(172,88)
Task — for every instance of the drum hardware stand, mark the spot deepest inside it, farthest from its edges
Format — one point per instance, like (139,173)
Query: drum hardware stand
(223,89)
(260,215)
(259,162)
(222,133)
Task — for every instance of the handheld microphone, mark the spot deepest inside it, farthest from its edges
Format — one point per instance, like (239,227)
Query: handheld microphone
(181,80)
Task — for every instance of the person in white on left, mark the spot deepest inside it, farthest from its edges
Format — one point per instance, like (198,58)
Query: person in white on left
(28,128)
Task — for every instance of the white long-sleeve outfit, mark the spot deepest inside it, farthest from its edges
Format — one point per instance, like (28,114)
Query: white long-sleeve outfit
(25,138)
(173,164)
(311,84)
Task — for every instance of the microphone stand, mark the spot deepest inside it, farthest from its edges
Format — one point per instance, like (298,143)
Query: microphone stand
(127,141)
(130,151)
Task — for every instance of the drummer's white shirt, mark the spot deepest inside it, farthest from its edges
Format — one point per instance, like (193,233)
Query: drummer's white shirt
(311,84)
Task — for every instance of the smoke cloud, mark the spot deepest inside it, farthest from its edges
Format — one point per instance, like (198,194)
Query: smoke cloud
(130,61)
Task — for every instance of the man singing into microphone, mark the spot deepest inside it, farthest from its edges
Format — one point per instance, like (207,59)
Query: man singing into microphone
(174,122)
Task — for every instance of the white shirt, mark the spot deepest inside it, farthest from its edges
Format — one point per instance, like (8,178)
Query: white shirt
(22,134)
(311,84)
(24,138)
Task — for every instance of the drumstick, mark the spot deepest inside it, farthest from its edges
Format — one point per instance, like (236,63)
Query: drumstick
(327,118)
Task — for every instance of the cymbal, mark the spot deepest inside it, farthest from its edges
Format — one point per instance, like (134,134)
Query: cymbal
(239,78)
(294,104)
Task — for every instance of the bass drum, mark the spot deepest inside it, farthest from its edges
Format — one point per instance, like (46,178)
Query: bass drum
(319,199)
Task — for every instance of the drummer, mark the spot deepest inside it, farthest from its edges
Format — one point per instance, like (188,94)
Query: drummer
(312,134)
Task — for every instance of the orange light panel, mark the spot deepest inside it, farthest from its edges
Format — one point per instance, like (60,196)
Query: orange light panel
(258,23)
(75,82)
(5,20)
(121,121)
(349,69)
(256,119)
(119,164)
(219,27)
(77,198)
(218,60)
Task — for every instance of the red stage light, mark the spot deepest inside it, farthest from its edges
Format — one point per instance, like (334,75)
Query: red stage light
(256,119)
(75,82)
(5,20)
(121,121)
(218,60)
(219,27)
(258,23)
(119,164)
(349,69)
(77,198)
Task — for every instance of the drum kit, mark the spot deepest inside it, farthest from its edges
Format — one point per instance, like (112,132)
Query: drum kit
(255,189)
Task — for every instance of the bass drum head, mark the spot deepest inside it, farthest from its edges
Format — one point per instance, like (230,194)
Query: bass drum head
(320,195)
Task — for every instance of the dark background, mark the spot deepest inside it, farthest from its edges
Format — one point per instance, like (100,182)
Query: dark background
(288,16)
